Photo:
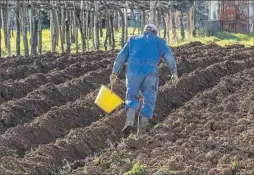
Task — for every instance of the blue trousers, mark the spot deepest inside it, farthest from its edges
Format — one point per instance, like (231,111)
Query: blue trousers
(148,86)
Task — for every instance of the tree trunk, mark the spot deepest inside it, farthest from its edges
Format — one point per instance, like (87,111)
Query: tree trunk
(82,27)
(174,26)
(191,22)
(62,27)
(107,29)
(53,28)
(87,26)
(126,22)
(100,27)
(158,21)
(116,19)
(123,28)
(17,29)
(164,24)
(96,31)
(1,25)
(24,32)
(75,27)
(143,19)
(35,34)
(56,27)
(152,15)
(112,31)
(9,16)
(182,26)
(67,29)
(39,32)
(60,30)
(4,20)
(31,24)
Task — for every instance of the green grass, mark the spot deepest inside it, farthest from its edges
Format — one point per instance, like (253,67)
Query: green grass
(221,39)
(137,169)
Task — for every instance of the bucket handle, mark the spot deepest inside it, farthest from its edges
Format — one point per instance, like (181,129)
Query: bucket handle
(111,87)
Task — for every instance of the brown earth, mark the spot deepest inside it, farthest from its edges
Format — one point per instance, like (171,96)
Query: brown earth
(50,125)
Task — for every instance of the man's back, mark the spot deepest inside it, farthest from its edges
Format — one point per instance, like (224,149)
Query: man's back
(144,49)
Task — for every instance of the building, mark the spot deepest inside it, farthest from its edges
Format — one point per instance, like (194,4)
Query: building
(231,16)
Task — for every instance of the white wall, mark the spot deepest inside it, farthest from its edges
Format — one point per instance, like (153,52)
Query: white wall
(251,15)
(214,10)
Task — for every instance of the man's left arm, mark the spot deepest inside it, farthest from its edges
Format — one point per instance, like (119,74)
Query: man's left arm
(169,58)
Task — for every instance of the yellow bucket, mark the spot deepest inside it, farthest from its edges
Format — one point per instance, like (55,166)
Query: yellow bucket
(107,100)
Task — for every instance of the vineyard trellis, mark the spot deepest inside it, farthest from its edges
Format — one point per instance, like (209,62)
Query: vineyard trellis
(69,19)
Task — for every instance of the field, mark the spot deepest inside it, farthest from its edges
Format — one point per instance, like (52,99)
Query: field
(202,125)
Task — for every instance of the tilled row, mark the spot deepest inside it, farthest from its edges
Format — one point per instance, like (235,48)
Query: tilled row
(191,63)
(80,143)
(47,96)
(52,125)
(11,140)
(194,138)
(21,131)
(15,61)
(45,65)
(14,89)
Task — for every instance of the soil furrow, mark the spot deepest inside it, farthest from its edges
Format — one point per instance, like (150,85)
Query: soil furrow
(207,122)
(22,131)
(47,64)
(47,96)
(19,88)
(80,143)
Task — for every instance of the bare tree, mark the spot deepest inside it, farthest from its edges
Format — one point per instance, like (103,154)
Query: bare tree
(96,30)
(17,29)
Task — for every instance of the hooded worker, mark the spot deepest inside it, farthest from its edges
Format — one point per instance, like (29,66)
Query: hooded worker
(142,55)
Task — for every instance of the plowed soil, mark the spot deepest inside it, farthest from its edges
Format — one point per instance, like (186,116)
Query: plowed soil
(204,124)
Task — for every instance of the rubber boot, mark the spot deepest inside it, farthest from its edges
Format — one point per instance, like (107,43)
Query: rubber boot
(143,123)
(129,121)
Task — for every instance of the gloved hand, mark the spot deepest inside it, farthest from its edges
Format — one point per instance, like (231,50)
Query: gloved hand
(113,78)
(174,78)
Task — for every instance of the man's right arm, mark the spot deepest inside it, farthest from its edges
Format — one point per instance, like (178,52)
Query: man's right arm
(121,59)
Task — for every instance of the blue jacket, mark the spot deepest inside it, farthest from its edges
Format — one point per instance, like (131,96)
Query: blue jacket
(142,54)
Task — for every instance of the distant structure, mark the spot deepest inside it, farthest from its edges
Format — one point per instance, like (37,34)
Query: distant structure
(231,16)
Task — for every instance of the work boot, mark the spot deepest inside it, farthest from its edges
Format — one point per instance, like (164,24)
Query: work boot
(129,121)
(143,123)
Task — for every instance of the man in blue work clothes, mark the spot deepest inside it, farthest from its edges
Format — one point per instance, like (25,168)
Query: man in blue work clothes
(142,54)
